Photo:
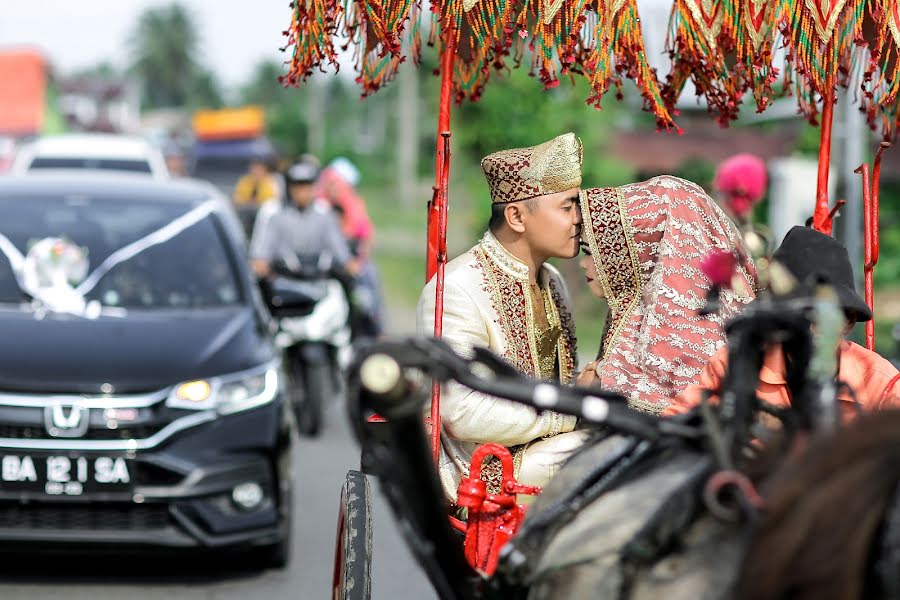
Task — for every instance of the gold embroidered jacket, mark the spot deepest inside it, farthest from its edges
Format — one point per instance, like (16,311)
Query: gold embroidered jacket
(487,302)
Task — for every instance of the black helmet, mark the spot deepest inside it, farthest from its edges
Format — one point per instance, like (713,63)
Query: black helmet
(301,172)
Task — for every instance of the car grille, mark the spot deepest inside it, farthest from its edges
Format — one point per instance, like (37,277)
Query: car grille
(25,432)
(149,474)
(86,517)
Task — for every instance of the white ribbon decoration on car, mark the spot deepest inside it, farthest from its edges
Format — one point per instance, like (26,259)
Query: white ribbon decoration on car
(160,236)
(60,296)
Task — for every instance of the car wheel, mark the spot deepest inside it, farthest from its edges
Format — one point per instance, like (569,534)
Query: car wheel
(316,387)
(353,548)
(278,556)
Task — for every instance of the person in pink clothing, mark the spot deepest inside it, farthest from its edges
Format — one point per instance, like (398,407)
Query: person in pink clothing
(740,183)
(337,184)
(872,383)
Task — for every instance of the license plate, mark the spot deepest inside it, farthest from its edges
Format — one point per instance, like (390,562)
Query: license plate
(63,475)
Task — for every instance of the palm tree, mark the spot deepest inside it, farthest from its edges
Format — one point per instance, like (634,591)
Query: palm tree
(164,47)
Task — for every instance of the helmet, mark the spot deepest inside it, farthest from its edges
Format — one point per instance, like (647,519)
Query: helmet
(346,169)
(301,172)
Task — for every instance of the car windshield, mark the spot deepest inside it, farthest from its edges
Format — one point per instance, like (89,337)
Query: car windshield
(193,269)
(109,164)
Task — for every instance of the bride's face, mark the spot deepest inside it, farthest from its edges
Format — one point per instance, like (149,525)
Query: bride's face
(590,273)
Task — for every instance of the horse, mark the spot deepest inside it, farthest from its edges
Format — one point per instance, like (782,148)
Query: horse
(828,525)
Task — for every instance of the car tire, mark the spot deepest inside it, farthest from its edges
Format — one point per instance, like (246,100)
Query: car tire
(353,548)
(316,387)
(278,556)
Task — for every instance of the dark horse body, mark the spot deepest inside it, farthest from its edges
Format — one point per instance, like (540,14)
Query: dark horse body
(822,534)
(661,508)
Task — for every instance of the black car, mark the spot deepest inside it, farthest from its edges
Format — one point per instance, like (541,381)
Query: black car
(141,401)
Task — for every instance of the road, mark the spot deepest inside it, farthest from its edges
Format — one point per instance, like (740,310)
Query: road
(320,468)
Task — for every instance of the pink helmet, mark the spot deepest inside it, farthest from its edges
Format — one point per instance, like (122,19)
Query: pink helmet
(743,180)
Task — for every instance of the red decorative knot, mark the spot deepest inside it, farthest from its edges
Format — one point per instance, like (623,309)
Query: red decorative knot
(471,493)
(719,267)
(740,205)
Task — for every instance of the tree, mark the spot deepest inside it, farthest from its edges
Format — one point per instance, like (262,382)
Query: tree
(286,120)
(164,47)
(204,90)
(264,88)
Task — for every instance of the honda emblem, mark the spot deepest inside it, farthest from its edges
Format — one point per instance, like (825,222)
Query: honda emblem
(68,420)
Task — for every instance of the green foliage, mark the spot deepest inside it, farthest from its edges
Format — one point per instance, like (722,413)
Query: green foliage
(264,88)
(164,46)
(54,123)
(807,143)
(285,118)
(203,90)
(515,112)
(887,272)
(699,171)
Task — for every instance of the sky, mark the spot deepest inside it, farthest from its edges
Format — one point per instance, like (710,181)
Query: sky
(235,34)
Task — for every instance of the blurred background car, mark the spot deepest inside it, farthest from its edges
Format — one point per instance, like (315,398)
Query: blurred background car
(141,393)
(95,151)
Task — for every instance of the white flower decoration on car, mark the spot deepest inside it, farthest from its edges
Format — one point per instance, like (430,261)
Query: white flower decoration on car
(50,273)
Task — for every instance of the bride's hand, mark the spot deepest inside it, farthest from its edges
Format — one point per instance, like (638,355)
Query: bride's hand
(588,377)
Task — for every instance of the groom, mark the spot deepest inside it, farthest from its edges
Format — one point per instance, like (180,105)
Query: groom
(502,295)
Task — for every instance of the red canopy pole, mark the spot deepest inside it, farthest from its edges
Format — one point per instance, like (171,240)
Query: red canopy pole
(434,233)
(821,218)
(871,239)
(872,243)
(437,222)
(867,248)
(442,191)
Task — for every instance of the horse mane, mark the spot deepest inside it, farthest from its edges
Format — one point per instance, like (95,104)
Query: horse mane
(819,535)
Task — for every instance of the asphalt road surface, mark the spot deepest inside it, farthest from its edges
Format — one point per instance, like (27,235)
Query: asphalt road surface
(320,465)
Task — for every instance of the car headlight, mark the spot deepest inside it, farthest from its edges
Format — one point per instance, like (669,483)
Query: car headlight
(249,392)
(229,393)
(194,392)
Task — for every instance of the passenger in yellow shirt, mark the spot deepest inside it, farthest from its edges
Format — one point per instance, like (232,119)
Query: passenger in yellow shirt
(257,186)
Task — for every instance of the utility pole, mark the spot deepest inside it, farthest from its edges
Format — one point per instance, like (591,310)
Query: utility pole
(854,135)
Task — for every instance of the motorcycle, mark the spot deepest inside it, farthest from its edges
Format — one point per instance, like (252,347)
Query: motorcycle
(308,299)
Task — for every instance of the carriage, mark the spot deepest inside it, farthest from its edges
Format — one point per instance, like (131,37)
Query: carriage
(728,49)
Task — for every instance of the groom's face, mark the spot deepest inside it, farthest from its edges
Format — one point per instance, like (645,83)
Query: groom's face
(552,224)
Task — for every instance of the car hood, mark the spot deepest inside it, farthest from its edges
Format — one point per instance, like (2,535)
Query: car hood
(143,351)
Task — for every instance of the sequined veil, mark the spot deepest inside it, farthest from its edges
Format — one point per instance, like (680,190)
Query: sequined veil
(647,241)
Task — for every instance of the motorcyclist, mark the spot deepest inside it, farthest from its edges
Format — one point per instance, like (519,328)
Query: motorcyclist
(302,226)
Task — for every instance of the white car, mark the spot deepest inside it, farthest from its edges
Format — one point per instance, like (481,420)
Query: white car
(91,151)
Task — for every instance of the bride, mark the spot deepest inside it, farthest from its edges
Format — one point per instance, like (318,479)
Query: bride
(644,244)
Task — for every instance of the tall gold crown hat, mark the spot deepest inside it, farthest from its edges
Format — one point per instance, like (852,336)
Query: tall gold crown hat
(523,173)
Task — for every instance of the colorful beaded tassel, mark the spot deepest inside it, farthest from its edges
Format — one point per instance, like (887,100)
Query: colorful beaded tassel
(825,47)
